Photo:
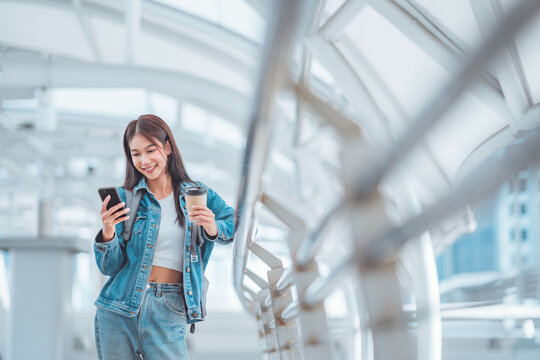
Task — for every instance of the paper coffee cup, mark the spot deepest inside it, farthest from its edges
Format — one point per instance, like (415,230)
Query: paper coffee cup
(195,195)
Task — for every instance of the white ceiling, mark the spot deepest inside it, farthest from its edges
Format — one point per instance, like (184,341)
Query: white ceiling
(379,62)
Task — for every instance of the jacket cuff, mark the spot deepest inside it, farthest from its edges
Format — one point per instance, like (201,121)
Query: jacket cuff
(101,245)
(208,237)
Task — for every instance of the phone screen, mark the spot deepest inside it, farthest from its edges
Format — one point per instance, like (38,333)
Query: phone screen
(115,198)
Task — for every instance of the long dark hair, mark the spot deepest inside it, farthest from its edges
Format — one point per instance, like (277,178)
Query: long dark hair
(153,128)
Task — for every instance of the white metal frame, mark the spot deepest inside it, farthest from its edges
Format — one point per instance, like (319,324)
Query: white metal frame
(378,241)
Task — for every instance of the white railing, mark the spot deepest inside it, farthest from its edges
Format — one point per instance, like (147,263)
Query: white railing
(289,302)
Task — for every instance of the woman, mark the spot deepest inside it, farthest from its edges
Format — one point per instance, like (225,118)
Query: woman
(156,284)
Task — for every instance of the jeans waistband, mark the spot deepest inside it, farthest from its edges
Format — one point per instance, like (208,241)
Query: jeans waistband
(164,287)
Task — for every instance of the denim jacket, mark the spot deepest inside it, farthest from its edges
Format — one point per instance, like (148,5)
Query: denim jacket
(128,264)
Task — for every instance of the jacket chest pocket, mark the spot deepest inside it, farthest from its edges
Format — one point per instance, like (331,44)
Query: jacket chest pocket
(138,225)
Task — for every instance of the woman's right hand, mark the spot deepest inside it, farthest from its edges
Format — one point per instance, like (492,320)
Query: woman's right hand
(110,218)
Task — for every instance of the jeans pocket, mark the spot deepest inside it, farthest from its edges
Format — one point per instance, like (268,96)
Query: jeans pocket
(174,302)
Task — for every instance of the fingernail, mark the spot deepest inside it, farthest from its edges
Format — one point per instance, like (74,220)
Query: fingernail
(128,209)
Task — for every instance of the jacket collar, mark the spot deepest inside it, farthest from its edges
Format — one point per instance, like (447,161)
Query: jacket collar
(143,185)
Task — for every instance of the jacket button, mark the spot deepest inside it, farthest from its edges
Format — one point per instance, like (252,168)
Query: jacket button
(188,269)
(195,314)
(189,293)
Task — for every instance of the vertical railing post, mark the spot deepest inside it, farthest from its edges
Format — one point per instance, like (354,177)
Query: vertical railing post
(312,320)
(379,282)
(287,332)
(269,329)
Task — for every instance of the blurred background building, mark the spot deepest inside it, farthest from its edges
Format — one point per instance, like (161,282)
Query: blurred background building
(382,155)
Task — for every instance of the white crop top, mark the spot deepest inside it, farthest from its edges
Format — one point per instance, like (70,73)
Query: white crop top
(171,237)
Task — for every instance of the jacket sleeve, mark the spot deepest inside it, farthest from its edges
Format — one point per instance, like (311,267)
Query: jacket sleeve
(110,255)
(224,218)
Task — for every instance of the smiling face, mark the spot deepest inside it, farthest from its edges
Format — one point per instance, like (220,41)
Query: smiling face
(149,157)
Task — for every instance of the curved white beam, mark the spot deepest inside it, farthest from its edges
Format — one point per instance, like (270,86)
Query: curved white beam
(504,137)
(181,27)
(24,74)
(508,65)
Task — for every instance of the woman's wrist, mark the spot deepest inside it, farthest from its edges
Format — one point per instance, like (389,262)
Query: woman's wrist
(210,236)
(106,237)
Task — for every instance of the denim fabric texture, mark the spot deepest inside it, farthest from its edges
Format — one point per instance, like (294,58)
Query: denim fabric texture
(156,333)
(129,264)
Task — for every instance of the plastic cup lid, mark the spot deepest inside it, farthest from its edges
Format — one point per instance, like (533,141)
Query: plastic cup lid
(195,190)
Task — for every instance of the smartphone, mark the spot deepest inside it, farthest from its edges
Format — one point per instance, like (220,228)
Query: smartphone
(115,198)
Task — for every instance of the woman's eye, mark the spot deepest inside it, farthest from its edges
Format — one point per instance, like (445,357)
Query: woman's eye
(135,155)
(151,151)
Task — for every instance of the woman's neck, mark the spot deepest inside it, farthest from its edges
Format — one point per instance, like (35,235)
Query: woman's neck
(160,187)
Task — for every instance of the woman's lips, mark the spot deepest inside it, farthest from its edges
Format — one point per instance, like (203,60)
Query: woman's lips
(149,170)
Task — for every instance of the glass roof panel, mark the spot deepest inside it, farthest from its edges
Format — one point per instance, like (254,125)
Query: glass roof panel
(456,15)
(164,106)
(156,52)
(225,132)
(465,126)
(115,102)
(330,8)
(233,15)
(412,76)
(194,118)
(240,17)
(210,127)
(318,71)
(44,28)
(118,103)
(206,9)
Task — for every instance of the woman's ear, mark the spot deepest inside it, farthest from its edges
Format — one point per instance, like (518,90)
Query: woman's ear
(167,147)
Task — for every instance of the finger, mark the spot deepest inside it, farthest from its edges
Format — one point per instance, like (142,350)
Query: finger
(199,207)
(119,213)
(120,219)
(196,220)
(117,206)
(201,218)
(108,214)
(114,208)
(104,203)
(198,212)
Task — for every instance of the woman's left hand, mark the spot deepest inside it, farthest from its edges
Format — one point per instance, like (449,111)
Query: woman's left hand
(205,217)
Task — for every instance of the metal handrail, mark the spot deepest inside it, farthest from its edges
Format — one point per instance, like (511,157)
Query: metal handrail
(285,282)
(280,28)
(311,243)
(383,246)
(482,183)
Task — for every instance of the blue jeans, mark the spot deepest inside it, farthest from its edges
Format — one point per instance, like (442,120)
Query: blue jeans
(156,332)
